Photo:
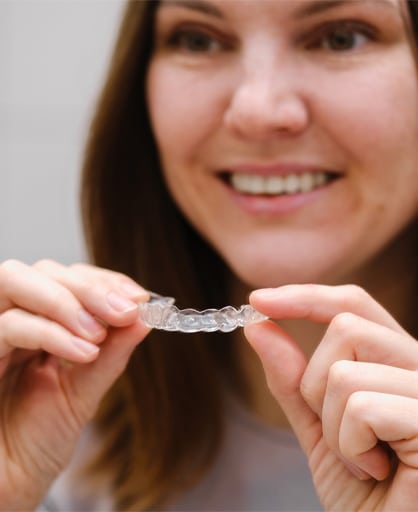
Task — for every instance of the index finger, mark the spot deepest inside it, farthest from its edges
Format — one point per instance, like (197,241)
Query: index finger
(320,303)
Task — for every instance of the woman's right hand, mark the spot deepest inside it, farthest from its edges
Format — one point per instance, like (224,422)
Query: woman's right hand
(56,363)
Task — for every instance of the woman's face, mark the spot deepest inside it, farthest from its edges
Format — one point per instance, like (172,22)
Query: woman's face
(288,130)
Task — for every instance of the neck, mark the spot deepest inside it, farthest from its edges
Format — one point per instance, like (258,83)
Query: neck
(392,278)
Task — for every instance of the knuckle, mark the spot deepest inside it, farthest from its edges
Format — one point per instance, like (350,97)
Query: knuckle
(358,405)
(83,286)
(82,268)
(92,281)
(8,322)
(83,277)
(341,375)
(44,264)
(356,293)
(9,268)
(6,317)
(58,299)
(307,391)
(79,266)
(342,325)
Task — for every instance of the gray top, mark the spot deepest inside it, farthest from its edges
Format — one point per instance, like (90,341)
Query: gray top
(259,468)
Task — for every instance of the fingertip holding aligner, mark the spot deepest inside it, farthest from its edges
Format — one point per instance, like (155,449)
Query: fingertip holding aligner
(161,313)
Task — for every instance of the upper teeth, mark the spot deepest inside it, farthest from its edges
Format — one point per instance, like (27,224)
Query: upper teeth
(290,184)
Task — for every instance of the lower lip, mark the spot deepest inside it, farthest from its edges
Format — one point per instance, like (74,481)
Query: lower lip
(277,205)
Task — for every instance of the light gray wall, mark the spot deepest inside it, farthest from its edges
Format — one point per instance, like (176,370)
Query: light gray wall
(53,55)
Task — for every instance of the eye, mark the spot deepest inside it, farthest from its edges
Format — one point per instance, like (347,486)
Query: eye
(341,37)
(195,41)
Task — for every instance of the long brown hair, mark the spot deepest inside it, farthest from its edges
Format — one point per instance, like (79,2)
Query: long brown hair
(161,423)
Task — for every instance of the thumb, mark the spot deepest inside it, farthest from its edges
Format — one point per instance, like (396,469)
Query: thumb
(284,365)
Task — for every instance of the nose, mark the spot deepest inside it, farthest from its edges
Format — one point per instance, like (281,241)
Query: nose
(266,104)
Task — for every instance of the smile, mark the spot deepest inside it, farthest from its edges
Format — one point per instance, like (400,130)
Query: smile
(254,184)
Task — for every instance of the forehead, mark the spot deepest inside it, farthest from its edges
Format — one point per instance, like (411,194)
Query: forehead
(283,9)
(210,5)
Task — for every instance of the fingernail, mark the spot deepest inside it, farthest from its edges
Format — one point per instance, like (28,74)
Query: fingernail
(85,346)
(119,303)
(89,323)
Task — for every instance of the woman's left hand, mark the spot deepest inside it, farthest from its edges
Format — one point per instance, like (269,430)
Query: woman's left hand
(354,404)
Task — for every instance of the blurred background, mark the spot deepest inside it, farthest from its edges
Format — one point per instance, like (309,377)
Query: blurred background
(53,57)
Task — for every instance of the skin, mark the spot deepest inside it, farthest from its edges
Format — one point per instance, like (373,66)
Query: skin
(57,362)
(234,106)
(266,90)
(354,398)
(256,92)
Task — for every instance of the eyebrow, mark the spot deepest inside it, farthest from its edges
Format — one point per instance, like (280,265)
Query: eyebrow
(194,5)
(319,6)
(310,8)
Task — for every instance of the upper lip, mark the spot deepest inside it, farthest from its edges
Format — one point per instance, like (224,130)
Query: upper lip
(276,168)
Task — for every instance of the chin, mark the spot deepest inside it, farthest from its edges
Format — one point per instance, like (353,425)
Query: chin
(264,276)
(262,263)
(268,273)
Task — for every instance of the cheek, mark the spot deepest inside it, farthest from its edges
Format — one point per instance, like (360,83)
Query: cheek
(376,113)
(381,136)
(184,109)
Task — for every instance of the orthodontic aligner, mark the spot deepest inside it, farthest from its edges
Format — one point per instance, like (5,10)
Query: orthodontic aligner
(161,313)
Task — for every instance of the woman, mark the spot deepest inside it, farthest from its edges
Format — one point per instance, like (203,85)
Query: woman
(237,145)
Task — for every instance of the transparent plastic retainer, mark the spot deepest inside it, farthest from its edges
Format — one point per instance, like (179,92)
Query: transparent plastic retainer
(161,313)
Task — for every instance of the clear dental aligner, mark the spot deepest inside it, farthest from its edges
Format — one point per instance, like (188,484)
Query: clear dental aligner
(161,313)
